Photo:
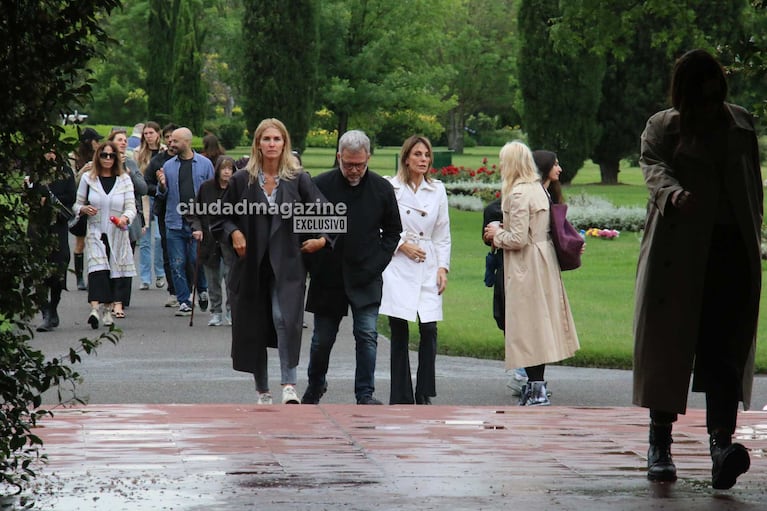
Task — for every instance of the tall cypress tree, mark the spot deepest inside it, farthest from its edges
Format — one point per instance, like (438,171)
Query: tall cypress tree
(161,37)
(280,41)
(189,98)
(560,92)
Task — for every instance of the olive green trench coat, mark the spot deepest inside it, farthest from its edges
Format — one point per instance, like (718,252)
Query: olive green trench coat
(672,260)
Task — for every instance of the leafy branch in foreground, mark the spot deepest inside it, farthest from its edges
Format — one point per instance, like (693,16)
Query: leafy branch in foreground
(24,378)
(48,47)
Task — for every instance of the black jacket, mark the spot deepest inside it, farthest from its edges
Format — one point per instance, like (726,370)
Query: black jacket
(350,271)
(150,176)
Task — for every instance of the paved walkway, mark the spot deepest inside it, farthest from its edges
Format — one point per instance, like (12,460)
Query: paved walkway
(328,457)
(152,440)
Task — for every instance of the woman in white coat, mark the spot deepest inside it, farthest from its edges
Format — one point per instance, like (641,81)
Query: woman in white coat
(539,324)
(106,192)
(416,277)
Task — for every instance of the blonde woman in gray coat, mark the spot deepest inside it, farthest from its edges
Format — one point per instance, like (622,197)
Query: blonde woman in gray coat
(539,324)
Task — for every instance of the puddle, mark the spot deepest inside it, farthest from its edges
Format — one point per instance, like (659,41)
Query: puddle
(752,432)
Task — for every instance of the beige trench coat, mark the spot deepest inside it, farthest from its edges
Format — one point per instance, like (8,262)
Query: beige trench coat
(539,324)
(670,270)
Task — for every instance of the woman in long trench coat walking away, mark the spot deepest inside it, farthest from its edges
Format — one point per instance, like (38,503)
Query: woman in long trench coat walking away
(699,272)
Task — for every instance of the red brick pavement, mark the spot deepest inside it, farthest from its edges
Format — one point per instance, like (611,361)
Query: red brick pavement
(208,457)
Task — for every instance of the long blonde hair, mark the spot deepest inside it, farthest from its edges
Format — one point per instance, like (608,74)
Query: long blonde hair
(289,166)
(517,166)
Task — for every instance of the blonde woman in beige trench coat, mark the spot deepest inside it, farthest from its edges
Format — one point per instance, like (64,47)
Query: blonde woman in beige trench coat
(539,324)
(699,272)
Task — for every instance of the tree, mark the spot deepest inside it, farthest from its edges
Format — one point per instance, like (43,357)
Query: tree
(119,94)
(479,49)
(560,91)
(161,38)
(379,56)
(639,61)
(47,46)
(189,98)
(632,90)
(281,47)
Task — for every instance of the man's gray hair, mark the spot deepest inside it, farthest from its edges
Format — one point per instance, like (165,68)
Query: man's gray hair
(353,141)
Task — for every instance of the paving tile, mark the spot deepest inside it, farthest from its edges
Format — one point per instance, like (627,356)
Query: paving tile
(194,457)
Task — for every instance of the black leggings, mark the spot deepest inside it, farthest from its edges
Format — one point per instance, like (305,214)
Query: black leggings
(535,373)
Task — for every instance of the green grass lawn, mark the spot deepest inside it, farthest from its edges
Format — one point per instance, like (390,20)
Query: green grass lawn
(601,295)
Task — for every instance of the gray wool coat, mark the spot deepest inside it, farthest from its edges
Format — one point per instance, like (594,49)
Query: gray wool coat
(269,238)
(672,259)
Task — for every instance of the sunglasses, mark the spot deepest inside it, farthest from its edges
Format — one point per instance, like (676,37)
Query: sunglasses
(107,156)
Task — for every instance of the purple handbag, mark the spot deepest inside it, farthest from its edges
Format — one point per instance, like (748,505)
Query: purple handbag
(568,242)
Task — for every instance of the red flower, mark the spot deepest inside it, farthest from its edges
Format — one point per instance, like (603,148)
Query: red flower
(497,195)
(484,160)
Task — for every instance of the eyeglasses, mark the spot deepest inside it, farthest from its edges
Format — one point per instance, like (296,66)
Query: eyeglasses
(354,166)
(107,156)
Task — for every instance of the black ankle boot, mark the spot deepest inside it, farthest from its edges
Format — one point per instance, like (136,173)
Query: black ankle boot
(46,325)
(728,461)
(54,316)
(660,466)
(79,263)
(422,399)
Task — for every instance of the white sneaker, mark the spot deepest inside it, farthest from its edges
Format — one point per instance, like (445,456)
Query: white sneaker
(215,319)
(184,310)
(517,380)
(228,318)
(264,398)
(107,320)
(172,301)
(289,396)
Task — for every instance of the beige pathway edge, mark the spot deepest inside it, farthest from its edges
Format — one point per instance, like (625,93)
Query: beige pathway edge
(233,457)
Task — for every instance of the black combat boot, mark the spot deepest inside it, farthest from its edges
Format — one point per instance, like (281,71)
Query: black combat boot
(728,461)
(46,325)
(660,466)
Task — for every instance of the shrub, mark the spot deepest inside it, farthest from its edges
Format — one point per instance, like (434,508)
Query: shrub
(231,133)
(401,124)
(57,40)
(322,138)
(465,202)
(586,211)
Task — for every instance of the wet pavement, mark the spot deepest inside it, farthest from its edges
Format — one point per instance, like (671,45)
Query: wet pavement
(170,426)
(327,457)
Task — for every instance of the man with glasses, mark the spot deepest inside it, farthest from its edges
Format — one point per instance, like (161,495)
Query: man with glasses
(349,274)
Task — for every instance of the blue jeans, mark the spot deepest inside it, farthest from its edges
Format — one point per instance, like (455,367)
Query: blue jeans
(182,251)
(366,346)
(145,251)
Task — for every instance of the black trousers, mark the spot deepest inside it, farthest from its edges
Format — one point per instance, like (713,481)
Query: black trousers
(104,289)
(723,342)
(401,378)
